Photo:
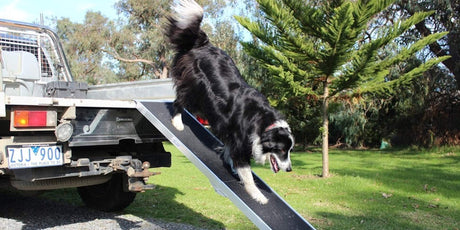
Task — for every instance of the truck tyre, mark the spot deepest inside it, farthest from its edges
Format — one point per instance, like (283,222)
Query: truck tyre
(108,197)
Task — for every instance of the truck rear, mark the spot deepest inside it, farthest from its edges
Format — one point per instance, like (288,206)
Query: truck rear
(56,133)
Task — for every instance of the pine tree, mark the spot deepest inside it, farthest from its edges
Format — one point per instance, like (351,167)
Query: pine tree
(325,50)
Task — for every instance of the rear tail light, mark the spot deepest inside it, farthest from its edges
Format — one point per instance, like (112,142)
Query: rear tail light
(34,118)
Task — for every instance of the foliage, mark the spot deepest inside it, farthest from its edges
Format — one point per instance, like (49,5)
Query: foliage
(424,113)
(421,113)
(133,47)
(130,50)
(323,51)
(82,44)
(145,47)
(348,123)
(445,18)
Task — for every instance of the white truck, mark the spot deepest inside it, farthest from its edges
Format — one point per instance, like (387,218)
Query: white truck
(56,133)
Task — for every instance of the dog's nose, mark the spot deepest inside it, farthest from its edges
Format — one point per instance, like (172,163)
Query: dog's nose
(289,169)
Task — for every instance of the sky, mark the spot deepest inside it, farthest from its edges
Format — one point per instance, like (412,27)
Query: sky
(29,10)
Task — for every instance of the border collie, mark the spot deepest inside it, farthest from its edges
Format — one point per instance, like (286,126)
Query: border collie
(209,85)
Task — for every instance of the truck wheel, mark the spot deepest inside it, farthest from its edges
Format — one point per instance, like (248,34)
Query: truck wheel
(108,197)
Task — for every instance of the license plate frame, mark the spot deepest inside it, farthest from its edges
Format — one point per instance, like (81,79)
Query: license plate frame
(34,156)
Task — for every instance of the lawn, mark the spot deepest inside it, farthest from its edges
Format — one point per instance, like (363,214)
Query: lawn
(368,189)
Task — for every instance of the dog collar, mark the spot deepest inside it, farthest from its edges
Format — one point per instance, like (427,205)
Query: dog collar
(278,124)
(272,126)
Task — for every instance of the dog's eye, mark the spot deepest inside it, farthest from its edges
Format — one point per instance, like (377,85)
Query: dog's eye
(278,150)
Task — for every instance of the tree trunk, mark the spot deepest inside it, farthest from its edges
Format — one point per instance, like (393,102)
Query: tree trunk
(325,131)
(164,73)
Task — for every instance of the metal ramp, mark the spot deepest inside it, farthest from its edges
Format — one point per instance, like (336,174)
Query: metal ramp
(199,146)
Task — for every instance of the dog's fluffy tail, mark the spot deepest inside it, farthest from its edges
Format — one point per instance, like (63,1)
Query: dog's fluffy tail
(183,29)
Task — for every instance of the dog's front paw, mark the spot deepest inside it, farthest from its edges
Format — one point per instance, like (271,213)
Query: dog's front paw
(255,193)
(177,122)
(261,199)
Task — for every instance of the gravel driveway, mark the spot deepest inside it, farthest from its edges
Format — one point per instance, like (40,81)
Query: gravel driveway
(24,213)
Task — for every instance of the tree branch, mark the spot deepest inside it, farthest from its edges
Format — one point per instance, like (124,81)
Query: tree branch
(118,57)
(135,60)
(436,49)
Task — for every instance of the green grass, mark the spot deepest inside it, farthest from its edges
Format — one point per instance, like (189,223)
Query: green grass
(368,189)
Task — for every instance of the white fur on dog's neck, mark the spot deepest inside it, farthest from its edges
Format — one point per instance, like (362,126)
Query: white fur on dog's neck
(186,12)
(257,151)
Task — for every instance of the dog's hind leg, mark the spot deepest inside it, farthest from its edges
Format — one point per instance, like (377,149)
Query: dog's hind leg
(177,118)
(245,174)
(227,159)
(177,122)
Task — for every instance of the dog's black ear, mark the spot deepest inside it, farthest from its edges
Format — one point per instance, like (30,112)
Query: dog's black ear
(285,136)
(282,132)
(266,140)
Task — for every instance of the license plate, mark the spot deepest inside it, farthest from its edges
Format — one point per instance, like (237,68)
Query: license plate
(33,156)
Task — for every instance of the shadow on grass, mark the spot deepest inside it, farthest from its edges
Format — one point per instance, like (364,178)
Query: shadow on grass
(36,212)
(61,208)
(160,203)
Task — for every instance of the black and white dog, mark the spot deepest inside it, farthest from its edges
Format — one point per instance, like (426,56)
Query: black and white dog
(209,85)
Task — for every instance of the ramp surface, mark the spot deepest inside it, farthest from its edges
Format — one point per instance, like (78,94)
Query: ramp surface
(201,148)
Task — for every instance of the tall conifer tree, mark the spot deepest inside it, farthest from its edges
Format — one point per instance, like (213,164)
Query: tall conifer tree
(324,50)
